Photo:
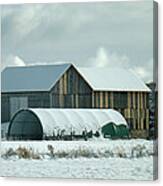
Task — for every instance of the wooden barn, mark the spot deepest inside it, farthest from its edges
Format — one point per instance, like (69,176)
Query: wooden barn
(68,86)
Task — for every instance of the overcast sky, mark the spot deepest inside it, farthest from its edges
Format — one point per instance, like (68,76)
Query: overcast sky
(112,34)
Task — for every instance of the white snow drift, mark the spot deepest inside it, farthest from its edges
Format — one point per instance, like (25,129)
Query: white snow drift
(112,166)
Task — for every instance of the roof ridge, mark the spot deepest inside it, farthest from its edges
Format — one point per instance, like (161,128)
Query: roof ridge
(36,65)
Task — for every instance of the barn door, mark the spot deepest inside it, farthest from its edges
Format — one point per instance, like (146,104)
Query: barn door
(17,103)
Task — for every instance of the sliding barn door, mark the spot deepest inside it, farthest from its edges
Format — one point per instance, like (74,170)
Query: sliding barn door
(17,103)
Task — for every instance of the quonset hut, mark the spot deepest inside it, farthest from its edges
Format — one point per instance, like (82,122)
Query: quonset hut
(67,86)
(38,124)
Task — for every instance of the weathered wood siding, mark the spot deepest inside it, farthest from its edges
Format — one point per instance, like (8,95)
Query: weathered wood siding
(5,108)
(35,100)
(71,91)
(132,105)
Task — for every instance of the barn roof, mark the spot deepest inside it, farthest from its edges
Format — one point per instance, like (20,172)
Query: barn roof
(44,77)
(112,79)
(31,78)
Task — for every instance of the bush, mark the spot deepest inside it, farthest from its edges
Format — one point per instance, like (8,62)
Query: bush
(22,152)
(51,150)
(62,154)
(139,151)
(25,153)
(10,152)
(121,153)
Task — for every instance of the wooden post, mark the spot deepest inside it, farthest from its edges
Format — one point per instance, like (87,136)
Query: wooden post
(101,99)
(145,100)
(134,101)
(65,83)
(93,104)
(106,99)
(129,99)
(60,93)
(138,109)
(111,100)
(77,102)
(141,100)
(51,100)
(147,119)
(97,104)
(134,123)
(129,104)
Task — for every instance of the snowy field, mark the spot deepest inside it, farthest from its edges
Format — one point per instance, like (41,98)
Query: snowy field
(101,159)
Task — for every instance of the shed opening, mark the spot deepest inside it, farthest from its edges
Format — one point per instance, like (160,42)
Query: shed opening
(111,130)
(25,125)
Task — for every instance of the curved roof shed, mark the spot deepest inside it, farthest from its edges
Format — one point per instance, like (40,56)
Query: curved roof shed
(35,123)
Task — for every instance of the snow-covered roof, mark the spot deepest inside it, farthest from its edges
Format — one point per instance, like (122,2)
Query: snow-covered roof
(112,79)
(44,77)
(76,119)
(31,78)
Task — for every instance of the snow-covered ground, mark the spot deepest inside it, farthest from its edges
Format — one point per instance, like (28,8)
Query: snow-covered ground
(99,147)
(105,168)
(102,159)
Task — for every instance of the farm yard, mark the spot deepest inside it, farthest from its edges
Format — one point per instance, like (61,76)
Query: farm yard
(96,158)
(74,124)
(74,88)
(79,91)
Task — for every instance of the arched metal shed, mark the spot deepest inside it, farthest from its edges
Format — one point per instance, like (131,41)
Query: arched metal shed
(34,124)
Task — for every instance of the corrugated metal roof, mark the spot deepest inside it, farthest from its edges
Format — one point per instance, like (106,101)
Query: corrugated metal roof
(31,78)
(113,79)
(43,77)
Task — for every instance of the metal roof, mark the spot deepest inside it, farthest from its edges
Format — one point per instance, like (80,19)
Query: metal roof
(31,78)
(112,79)
(44,77)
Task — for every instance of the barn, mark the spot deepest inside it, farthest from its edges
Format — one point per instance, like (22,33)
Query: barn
(38,124)
(68,86)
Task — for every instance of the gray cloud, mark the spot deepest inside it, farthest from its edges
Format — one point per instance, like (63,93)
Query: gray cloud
(121,32)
